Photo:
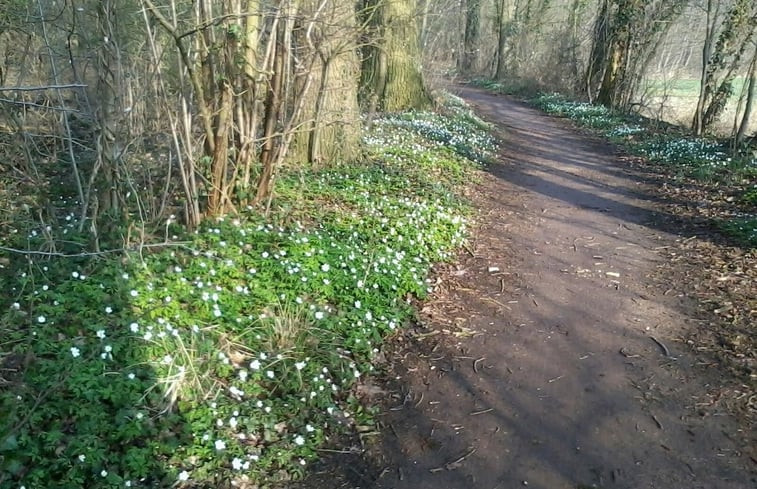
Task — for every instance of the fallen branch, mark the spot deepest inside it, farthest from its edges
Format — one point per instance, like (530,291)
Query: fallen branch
(475,364)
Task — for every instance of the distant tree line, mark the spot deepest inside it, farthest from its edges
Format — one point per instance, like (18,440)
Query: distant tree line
(136,110)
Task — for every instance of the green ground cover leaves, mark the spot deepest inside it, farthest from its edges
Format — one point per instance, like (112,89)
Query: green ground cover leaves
(227,356)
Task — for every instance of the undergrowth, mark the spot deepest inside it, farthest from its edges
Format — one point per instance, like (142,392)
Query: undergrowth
(226,356)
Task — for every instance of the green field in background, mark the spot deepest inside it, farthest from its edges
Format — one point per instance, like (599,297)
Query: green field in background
(684,87)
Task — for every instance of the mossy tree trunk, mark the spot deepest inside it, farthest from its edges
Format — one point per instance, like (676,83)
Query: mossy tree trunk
(620,43)
(737,31)
(392,79)
(749,103)
(599,47)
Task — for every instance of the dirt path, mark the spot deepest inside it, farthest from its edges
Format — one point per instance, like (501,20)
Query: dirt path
(559,369)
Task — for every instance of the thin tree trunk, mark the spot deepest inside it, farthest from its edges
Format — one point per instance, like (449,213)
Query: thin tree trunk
(247,102)
(752,81)
(109,89)
(503,7)
(712,15)
(272,110)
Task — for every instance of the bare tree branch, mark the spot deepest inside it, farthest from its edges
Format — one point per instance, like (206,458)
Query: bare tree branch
(43,87)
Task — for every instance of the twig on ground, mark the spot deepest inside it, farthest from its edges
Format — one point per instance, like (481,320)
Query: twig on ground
(454,465)
(484,411)
(623,352)
(661,345)
(475,363)
(419,401)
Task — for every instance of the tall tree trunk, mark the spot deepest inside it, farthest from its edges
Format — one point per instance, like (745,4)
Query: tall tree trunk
(573,41)
(330,120)
(612,73)
(598,56)
(713,10)
(625,21)
(219,64)
(424,22)
(503,14)
(247,110)
(472,35)
(391,77)
(273,105)
(738,28)
(109,88)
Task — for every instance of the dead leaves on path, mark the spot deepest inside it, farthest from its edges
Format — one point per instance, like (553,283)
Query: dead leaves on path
(721,277)
(723,280)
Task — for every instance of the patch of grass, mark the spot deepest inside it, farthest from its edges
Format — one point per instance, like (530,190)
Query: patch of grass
(685,87)
(678,87)
(743,228)
(750,196)
(228,357)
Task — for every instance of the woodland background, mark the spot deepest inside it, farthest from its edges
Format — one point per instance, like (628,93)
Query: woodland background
(213,212)
(147,109)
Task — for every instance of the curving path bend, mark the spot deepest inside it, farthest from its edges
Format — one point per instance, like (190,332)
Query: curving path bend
(562,369)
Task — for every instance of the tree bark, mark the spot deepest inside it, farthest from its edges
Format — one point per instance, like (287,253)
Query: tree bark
(109,89)
(713,7)
(597,58)
(503,13)
(736,33)
(752,81)
(329,126)
(391,72)
(472,34)
(625,20)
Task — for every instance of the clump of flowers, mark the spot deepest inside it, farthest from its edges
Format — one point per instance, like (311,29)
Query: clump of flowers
(686,151)
(624,130)
(591,115)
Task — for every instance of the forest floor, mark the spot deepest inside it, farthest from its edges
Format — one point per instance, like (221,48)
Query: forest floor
(562,350)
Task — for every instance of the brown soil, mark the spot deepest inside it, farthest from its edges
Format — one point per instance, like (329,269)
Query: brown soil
(551,355)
